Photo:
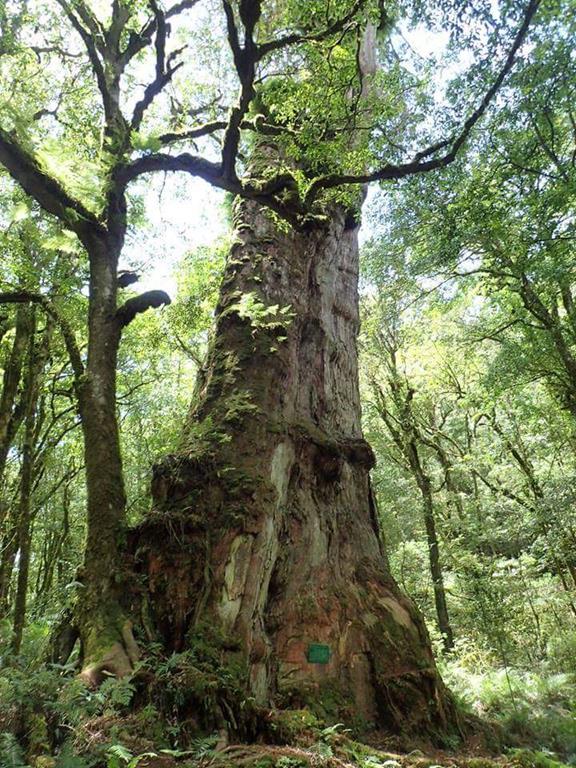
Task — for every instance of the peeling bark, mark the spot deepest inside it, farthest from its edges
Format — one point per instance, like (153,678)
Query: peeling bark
(263,524)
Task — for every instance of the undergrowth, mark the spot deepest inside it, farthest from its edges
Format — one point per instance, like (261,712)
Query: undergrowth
(50,719)
(533,708)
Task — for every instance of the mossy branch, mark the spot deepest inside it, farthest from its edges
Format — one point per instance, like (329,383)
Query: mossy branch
(46,190)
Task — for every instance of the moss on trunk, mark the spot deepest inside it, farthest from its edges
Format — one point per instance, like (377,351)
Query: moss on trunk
(263,526)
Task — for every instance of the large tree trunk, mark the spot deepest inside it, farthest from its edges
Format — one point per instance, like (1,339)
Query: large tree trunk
(264,526)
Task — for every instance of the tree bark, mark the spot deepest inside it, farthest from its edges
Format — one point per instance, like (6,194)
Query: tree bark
(7,559)
(440,602)
(263,526)
(104,631)
(408,438)
(11,415)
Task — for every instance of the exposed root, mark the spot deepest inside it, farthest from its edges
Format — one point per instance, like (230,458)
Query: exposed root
(245,755)
(132,650)
(118,661)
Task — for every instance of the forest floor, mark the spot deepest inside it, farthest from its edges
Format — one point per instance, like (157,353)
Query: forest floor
(50,719)
(118,742)
(341,752)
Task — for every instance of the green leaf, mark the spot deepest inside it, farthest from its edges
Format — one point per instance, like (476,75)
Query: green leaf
(20,212)
(148,143)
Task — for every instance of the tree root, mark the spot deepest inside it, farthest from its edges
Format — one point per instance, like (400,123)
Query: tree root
(245,755)
(118,660)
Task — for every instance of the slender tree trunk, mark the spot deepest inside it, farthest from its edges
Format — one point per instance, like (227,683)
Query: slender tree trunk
(38,355)
(440,602)
(52,554)
(407,437)
(425,487)
(7,559)
(453,491)
(263,530)
(25,522)
(107,645)
(10,414)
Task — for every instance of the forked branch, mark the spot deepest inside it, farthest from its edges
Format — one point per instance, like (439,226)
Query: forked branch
(419,164)
(272,194)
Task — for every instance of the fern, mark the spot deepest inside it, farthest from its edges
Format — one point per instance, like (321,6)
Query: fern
(118,756)
(11,753)
(67,759)
(204,746)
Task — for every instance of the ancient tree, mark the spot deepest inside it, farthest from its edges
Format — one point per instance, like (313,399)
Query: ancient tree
(267,517)
(263,530)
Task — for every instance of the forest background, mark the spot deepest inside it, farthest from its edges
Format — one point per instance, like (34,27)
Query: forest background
(467,351)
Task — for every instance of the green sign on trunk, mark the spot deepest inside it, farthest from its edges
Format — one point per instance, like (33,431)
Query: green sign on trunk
(318,654)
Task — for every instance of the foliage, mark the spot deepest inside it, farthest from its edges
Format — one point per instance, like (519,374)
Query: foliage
(468,321)
(469,334)
(11,752)
(120,757)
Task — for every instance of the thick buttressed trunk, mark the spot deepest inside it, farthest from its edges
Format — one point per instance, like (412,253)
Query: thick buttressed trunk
(264,528)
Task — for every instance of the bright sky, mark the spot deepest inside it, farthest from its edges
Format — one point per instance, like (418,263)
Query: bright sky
(183,213)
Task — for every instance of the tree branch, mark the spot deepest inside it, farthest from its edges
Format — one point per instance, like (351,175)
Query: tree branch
(120,17)
(92,35)
(499,489)
(295,39)
(46,190)
(291,207)
(148,300)
(245,58)
(26,297)
(264,193)
(137,41)
(165,68)
(193,133)
(192,164)
(416,165)
(257,125)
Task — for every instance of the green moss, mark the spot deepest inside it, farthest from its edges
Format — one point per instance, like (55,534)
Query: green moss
(481,762)
(290,725)
(524,758)
(207,685)
(326,702)
(264,762)
(291,762)
(44,762)
(37,733)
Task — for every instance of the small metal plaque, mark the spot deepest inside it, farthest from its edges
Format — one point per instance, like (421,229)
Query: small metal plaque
(318,654)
